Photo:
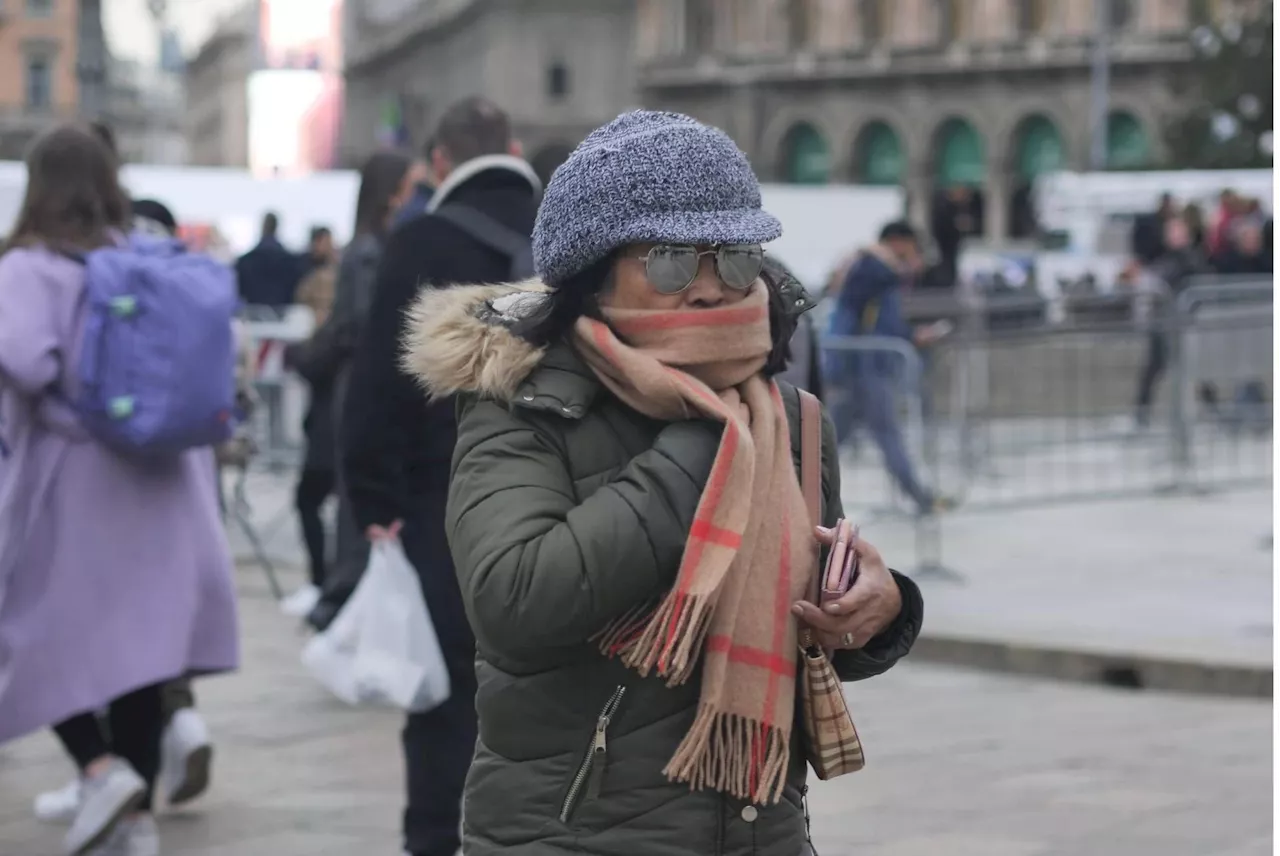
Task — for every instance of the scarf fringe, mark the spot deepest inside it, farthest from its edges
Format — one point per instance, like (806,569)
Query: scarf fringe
(729,753)
(667,638)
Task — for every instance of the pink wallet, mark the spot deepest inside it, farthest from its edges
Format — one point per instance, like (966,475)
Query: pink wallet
(842,563)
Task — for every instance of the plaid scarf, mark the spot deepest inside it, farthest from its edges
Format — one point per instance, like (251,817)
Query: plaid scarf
(751,551)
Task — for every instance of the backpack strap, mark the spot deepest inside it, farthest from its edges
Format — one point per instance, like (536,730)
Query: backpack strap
(811,454)
(486,230)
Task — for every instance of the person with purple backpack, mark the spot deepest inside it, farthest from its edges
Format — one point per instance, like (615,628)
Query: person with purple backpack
(115,575)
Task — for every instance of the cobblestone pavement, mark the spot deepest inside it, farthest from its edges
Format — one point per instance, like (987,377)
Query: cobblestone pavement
(960,764)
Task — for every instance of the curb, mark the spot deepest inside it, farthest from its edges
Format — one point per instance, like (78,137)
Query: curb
(1113,669)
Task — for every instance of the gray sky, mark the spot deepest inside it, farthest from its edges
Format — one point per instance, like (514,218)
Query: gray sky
(132,34)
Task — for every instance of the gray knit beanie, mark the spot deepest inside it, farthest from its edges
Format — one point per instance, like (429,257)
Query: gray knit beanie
(647,176)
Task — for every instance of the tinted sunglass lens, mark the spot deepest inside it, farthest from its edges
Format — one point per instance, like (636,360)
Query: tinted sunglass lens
(670,269)
(739,265)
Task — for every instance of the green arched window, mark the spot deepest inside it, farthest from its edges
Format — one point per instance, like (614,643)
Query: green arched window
(1038,147)
(879,158)
(1127,144)
(960,153)
(806,158)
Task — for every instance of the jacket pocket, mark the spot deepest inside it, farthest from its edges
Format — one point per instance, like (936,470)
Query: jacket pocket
(588,779)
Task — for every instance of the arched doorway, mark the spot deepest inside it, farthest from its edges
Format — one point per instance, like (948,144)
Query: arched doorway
(1127,143)
(548,158)
(1037,149)
(878,156)
(806,157)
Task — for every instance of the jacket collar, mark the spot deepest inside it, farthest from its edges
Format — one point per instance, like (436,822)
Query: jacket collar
(562,384)
(468,170)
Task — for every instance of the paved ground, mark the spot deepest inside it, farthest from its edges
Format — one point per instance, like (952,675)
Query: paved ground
(961,764)
(1180,576)
(1177,576)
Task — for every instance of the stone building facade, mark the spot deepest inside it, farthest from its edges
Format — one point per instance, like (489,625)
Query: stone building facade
(39,85)
(559,67)
(216,84)
(919,93)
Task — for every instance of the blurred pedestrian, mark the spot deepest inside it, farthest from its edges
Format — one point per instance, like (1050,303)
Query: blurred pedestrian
(268,274)
(419,199)
(1197,227)
(122,582)
(320,252)
(324,361)
(870,304)
(608,526)
(1180,260)
(1229,208)
(955,217)
(1146,240)
(186,747)
(398,446)
(1245,251)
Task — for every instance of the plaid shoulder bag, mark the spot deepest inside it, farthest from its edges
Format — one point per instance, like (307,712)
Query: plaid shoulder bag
(830,738)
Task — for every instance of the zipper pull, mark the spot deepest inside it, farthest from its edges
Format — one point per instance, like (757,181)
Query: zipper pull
(599,754)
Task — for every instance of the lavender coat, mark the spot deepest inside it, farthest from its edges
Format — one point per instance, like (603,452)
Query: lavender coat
(113,575)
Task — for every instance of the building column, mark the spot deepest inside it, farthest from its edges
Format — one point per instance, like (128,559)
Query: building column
(995,189)
(918,183)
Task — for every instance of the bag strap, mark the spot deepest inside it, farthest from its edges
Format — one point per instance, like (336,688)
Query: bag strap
(811,454)
(811,483)
(485,229)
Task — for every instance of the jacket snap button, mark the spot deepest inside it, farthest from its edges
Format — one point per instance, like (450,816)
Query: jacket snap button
(528,398)
(750,813)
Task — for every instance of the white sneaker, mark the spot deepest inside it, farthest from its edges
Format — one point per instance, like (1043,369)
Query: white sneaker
(132,836)
(186,754)
(301,602)
(104,800)
(59,806)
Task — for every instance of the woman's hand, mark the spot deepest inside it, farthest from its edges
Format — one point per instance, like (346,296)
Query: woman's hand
(870,605)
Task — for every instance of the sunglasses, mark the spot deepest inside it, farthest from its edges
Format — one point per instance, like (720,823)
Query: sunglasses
(671,268)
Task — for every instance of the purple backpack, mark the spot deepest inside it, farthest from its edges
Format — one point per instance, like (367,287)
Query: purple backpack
(157,360)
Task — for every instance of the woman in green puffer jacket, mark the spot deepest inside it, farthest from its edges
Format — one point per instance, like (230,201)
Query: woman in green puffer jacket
(626,519)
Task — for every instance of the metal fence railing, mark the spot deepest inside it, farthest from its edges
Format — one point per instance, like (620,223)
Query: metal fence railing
(1055,413)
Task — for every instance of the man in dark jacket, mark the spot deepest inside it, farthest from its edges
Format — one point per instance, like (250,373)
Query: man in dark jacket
(398,446)
(268,274)
(870,304)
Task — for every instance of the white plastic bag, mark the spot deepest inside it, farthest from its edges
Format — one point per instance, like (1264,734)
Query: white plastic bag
(381,649)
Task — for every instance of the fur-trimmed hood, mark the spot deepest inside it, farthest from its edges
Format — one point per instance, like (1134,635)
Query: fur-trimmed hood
(460,339)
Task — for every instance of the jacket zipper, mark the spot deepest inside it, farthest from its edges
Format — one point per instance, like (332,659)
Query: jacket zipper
(591,771)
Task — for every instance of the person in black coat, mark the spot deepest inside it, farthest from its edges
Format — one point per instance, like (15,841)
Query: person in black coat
(268,274)
(397,446)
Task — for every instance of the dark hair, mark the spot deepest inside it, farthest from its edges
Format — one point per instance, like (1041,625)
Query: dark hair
(473,127)
(270,224)
(568,301)
(898,230)
(106,136)
(577,296)
(73,199)
(380,180)
(318,232)
(428,147)
(156,212)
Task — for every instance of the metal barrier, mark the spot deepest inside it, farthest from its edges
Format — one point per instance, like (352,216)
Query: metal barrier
(1222,339)
(1041,416)
(1055,415)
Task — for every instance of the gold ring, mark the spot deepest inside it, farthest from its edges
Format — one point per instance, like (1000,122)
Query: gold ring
(847,639)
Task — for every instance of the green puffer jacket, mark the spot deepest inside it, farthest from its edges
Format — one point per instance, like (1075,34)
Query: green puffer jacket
(566,508)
